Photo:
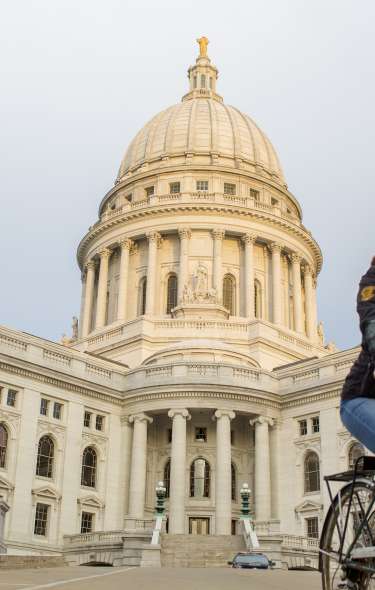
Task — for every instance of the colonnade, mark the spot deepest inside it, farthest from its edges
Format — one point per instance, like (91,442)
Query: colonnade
(178,471)
(304,315)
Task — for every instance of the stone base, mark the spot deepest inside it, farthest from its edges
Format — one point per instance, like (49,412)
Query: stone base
(150,556)
(202,311)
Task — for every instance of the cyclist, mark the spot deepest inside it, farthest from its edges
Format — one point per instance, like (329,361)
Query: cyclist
(358,395)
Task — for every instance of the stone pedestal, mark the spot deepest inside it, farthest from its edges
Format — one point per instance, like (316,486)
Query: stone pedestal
(205,311)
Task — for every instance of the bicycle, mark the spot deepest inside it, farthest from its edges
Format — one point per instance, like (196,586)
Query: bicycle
(347,543)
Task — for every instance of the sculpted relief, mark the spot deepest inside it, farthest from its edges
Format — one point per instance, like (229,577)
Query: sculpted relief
(196,290)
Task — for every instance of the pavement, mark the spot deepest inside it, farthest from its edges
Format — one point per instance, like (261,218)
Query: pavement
(109,578)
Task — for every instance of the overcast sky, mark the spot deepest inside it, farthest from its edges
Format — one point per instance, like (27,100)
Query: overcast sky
(79,78)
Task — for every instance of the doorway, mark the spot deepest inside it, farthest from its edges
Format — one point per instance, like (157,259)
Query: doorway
(199,525)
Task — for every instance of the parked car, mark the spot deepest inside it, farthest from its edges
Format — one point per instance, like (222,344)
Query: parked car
(251,561)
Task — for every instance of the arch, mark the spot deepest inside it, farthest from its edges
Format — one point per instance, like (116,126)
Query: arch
(229,293)
(200,478)
(233,481)
(3,445)
(167,477)
(45,457)
(356,450)
(142,294)
(311,472)
(257,299)
(89,466)
(171,292)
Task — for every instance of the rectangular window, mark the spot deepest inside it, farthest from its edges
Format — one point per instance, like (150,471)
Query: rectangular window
(99,422)
(174,187)
(312,528)
(229,189)
(201,434)
(11,398)
(57,410)
(87,521)
(274,201)
(44,407)
(169,435)
(129,197)
(41,519)
(87,420)
(202,185)
(149,191)
(303,427)
(254,194)
(315,424)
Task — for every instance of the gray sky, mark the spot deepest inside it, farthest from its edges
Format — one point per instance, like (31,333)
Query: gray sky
(80,78)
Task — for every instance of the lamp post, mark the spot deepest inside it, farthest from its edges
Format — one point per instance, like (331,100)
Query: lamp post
(250,535)
(245,496)
(161,491)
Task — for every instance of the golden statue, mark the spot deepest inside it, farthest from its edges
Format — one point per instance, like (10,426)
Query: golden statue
(203,42)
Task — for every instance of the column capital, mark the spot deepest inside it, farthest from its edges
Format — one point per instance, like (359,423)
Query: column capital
(154,236)
(184,233)
(141,417)
(222,413)
(105,253)
(218,234)
(126,243)
(179,412)
(249,238)
(125,420)
(262,420)
(89,265)
(307,269)
(275,247)
(296,258)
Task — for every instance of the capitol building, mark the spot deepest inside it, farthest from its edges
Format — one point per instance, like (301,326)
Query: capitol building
(198,358)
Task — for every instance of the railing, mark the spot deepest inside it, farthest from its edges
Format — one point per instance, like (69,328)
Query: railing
(299,542)
(92,538)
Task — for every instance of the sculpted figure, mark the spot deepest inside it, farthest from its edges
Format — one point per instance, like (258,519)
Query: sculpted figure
(321,332)
(75,328)
(201,279)
(203,42)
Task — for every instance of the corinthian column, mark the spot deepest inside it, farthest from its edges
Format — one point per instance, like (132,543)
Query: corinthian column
(217,236)
(276,282)
(89,292)
(137,486)
(125,245)
(223,489)
(154,239)
(184,234)
(101,305)
(249,241)
(178,467)
(309,303)
(262,467)
(297,293)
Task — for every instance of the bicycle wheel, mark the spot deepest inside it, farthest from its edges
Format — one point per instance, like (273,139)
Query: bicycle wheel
(336,576)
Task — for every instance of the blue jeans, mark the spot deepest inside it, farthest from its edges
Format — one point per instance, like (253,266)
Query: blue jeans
(358,416)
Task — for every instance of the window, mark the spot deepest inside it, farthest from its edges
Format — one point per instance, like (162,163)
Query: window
(194,82)
(171,293)
(169,435)
(274,201)
(229,189)
(315,424)
(41,519)
(174,187)
(99,422)
(3,445)
(87,420)
(254,194)
(89,460)
(356,450)
(312,473)
(44,462)
(87,521)
(44,406)
(303,427)
(229,293)
(167,477)
(312,528)
(202,185)
(200,479)
(11,398)
(129,197)
(201,434)
(211,83)
(149,190)
(142,296)
(233,482)
(57,410)
(203,81)
(257,299)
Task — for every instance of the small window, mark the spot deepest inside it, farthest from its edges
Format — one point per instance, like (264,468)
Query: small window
(257,299)
(312,528)
(202,185)
(46,452)
(99,422)
(274,201)
(200,479)
(211,83)
(229,293)
(194,82)
(169,435)
(315,424)
(171,293)
(303,427)
(149,190)
(312,473)
(87,521)
(201,434)
(41,519)
(88,474)
(44,406)
(229,189)
(356,451)
(174,187)
(254,194)
(288,211)
(87,420)
(3,445)
(203,81)
(142,296)
(11,398)
(129,197)
(57,410)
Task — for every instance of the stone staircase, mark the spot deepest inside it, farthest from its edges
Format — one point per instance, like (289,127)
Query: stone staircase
(199,550)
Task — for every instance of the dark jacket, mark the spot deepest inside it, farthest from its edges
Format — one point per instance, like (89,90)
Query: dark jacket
(360,382)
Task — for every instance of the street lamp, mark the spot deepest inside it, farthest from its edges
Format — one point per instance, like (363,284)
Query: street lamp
(161,492)
(245,495)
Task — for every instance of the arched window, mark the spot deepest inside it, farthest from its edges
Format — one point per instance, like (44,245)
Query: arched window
(257,299)
(171,293)
(203,81)
(312,472)
(234,483)
(3,445)
(167,477)
(229,293)
(46,451)
(200,475)
(356,450)
(142,296)
(89,461)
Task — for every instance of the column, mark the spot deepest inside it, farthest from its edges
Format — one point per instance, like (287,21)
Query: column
(223,488)
(276,282)
(178,469)
(125,245)
(101,305)
(217,280)
(249,241)
(153,243)
(315,308)
(137,486)
(126,454)
(297,293)
(184,234)
(309,303)
(89,291)
(262,467)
